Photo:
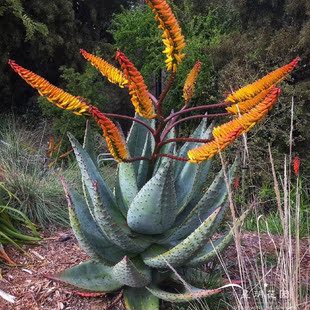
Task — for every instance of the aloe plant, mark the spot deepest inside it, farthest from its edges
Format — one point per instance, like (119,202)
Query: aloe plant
(158,222)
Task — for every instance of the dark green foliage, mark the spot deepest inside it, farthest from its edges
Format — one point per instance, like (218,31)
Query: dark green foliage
(136,33)
(244,40)
(43,36)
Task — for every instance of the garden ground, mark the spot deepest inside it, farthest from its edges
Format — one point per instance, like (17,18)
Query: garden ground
(60,250)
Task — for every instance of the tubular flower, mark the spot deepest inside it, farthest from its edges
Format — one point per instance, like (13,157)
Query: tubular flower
(189,85)
(225,134)
(172,35)
(54,94)
(246,105)
(262,84)
(113,136)
(113,74)
(137,89)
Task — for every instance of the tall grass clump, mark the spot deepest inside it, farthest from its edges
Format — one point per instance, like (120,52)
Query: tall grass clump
(277,278)
(24,172)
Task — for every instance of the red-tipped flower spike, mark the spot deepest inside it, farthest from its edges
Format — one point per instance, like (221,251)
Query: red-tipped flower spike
(77,105)
(137,89)
(114,138)
(225,134)
(264,83)
(54,94)
(172,35)
(110,72)
(296,165)
(189,85)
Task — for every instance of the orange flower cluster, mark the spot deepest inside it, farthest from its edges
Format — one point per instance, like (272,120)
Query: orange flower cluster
(77,105)
(54,94)
(189,85)
(225,134)
(113,74)
(137,89)
(172,35)
(114,138)
(246,105)
(264,83)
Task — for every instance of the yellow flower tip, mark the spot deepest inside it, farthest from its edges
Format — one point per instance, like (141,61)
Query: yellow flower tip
(114,75)
(210,149)
(189,85)
(114,138)
(227,133)
(172,36)
(55,95)
(246,105)
(273,78)
(138,90)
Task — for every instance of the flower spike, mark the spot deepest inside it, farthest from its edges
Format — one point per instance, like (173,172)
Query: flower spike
(225,134)
(77,105)
(189,85)
(113,74)
(113,136)
(246,105)
(262,84)
(172,35)
(137,89)
(54,94)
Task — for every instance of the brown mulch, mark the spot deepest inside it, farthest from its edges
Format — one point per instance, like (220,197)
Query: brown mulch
(59,251)
(35,292)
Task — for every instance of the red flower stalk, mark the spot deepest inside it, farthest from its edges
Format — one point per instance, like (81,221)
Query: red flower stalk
(296,165)
(137,88)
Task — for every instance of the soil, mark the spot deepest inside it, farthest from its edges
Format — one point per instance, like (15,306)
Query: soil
(27,281)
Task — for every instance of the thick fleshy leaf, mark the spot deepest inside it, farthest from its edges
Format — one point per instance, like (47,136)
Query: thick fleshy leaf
(87,232)
(189,295)
(91,175)
(140,299)
(89,143)
(182,252)
(213,248)
(154,209)
(126,187)
(143,173)
(191,217)
(195,277)
(91,276)
(198,133)
(168,148)
(189,175)
(133,273)
(140,143)
(114,232)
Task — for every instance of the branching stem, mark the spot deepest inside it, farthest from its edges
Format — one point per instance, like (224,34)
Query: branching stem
(166,131)
(202,107)
(172,157)
(131,119)
(184,140)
